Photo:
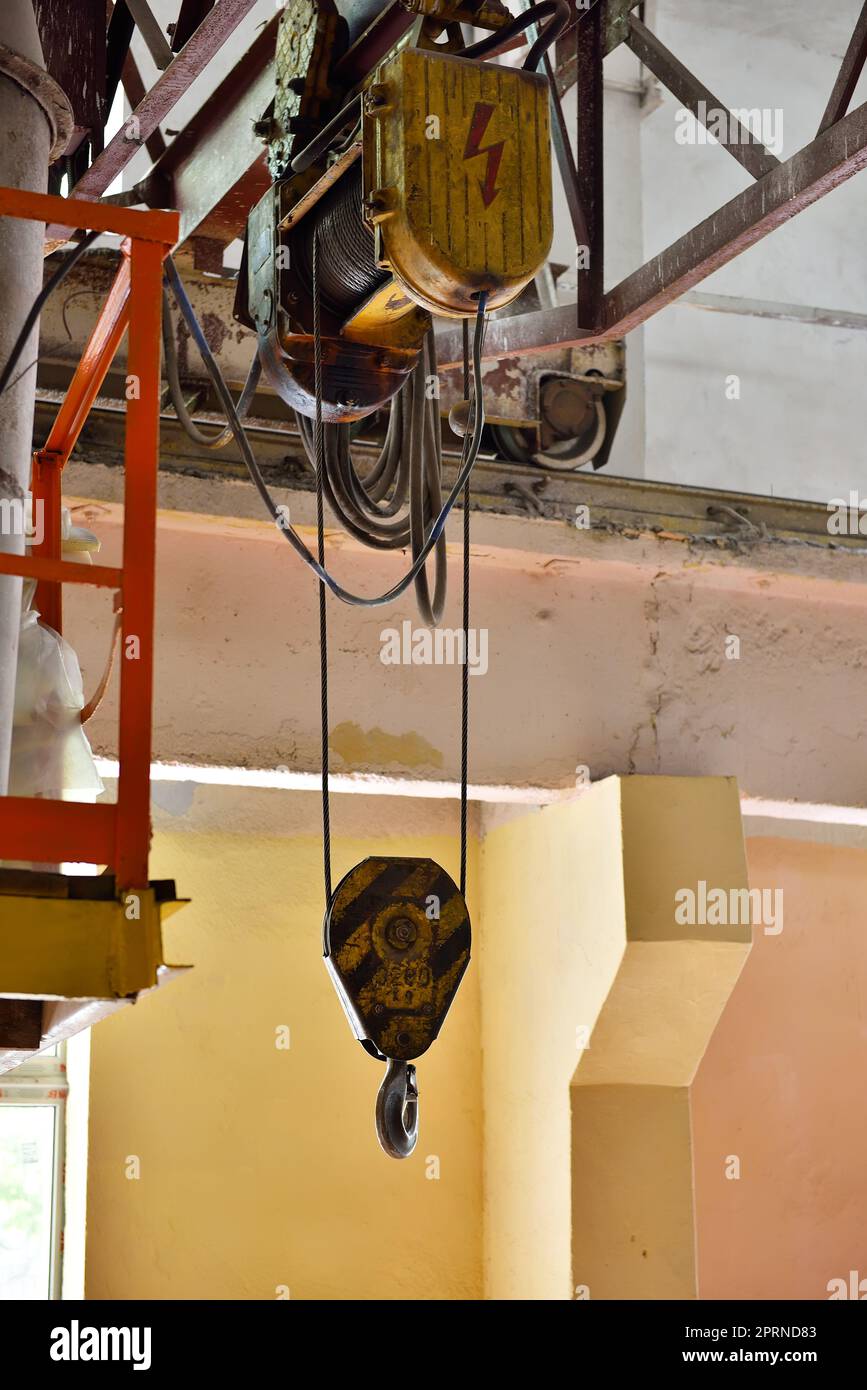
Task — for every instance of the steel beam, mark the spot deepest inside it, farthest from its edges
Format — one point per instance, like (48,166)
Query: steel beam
(517,334)
(169,87)
(699,99)
(135,91)
(819,167)
(776,310)
(565,160)
(215,170)
(615,15)
(847,77)
(149,28)
(562,144)
(190,16)
(589,166)
(121,27)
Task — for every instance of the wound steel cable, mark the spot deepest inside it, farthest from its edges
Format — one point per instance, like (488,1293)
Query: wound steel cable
(320,546)
(465,672)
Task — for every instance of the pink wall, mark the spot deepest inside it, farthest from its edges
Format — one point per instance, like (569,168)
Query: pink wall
(784,1087)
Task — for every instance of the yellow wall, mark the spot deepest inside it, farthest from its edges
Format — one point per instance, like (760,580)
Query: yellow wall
(260,1167)
(554,933)
(588,1148)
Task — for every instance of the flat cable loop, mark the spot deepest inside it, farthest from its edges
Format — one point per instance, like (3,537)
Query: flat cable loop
(472,444)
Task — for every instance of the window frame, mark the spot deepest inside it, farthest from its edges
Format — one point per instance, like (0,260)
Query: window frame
(41,1080)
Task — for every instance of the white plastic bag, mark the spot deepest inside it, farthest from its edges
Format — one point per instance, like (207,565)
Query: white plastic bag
(51,755)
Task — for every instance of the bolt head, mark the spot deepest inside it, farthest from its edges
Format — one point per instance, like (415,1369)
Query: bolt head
(401,932)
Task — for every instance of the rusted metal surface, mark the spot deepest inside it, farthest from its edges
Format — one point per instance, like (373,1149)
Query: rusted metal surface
(589,166)
(216,170)
(135,90)
(69,321)
(699,99)
(73,43)
(320,187)
(511,385)
(614,18)
(217,27)
(537,331)
(847,77)
(20,1024)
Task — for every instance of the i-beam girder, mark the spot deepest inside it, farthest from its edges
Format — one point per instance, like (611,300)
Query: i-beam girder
(214,169)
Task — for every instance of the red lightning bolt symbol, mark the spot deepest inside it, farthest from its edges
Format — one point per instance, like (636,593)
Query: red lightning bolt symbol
(481,117)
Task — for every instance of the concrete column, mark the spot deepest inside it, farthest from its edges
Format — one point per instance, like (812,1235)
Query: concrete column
(598,1005)
(25,141)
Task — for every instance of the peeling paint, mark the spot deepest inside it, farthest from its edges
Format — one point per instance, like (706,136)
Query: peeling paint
(360,748)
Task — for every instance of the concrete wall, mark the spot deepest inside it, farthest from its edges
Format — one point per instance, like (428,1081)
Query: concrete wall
(596,1009)
(606,653)
(780,1090)
(554,934)
(260,1167)
(795,430)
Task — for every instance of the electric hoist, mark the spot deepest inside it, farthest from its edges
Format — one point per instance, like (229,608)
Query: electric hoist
(422,189)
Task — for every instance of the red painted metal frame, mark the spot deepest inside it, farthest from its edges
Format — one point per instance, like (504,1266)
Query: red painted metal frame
(57,831)
(51,459)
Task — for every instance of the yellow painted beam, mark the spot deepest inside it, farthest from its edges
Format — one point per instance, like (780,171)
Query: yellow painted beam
(77,948)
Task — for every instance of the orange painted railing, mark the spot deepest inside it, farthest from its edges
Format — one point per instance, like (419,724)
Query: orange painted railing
(60,831)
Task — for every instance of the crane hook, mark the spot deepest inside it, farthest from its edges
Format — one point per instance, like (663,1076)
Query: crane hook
(397,1109)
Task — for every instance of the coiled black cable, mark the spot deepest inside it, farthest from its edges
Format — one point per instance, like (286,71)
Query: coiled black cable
(224,435)
(472,444)
(560,14)
(38,304)
(409,466)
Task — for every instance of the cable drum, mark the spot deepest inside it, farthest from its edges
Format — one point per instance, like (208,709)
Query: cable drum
(347,272)
(392,503)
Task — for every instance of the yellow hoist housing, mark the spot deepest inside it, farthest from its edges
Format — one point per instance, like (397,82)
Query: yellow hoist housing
(457,178)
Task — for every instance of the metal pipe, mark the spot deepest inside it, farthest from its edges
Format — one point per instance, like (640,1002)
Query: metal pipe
(26,140)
